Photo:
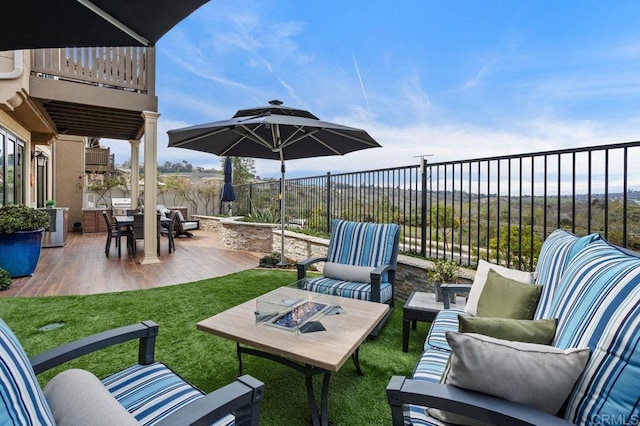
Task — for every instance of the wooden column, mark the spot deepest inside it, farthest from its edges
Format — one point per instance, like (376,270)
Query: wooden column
(150,189)
(135,172)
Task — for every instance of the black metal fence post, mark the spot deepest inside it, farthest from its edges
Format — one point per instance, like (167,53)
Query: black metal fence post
(423,212)
(328,201)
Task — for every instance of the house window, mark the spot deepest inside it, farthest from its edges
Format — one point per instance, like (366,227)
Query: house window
(41,187)
(11,168)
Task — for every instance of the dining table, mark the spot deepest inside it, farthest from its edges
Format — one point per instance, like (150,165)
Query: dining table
(124,222)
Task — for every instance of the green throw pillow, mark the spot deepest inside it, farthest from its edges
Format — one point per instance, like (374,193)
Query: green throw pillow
(530,331)
(505,298)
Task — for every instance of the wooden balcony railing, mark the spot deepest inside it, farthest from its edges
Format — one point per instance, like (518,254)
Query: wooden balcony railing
(124,68)
(100,157)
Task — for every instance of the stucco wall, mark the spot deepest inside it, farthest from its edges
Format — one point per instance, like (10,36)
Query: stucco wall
(69,172)
(411,272)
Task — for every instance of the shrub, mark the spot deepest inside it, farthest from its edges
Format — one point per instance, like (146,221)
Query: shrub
(262,216)
(5,279)
(272,260)
(14,218)
(444,271)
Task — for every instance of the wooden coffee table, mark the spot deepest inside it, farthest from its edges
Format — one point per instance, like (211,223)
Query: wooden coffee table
(321,352)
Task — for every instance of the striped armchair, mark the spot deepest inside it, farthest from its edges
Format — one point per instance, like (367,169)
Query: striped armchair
(144,394)
(360,263)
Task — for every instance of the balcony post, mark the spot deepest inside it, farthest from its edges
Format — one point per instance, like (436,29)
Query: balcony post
(135,172)
(150,189)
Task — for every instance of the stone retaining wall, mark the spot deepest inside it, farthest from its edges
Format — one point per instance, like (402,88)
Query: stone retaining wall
(411,273)
(240,235)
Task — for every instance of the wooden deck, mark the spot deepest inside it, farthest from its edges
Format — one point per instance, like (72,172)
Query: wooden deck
(80,267)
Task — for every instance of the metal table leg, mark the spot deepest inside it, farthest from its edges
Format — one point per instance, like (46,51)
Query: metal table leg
(318,417)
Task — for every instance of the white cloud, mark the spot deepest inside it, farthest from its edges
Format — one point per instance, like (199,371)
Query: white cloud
(242,54)
(480,75)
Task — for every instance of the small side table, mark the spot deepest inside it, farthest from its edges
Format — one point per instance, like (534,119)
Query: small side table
(419,307)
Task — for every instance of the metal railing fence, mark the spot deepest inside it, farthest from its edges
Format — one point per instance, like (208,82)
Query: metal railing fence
(496,208)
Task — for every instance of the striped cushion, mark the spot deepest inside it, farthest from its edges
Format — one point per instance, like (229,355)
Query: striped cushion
(415,415)
(431,366)
(597,304)
(152,392)
(362,244)
(21,399)
(556,253)
(349,289)
(446,320)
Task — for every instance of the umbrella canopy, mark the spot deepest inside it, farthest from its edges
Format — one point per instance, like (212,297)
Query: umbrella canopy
(33,24)
(272,136)
(228,194)
(274,132)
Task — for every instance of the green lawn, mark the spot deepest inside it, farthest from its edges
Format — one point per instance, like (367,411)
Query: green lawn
(208,361)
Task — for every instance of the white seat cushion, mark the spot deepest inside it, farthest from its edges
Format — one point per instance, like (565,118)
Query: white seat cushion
(189,226)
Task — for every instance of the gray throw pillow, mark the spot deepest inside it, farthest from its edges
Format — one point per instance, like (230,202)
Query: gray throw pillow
(538,376)
(77,397)
(340,271)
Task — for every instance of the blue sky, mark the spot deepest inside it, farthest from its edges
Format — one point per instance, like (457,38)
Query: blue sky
(454,79)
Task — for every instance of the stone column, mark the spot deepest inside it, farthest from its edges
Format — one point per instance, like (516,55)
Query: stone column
(135,172)
(150,189)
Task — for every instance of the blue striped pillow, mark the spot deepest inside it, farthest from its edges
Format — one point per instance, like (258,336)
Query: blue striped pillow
(362,244)
(597,304)
(556,253)
(21,399)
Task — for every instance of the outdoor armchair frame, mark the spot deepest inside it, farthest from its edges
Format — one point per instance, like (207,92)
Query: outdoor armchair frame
(242,396)
(179,225)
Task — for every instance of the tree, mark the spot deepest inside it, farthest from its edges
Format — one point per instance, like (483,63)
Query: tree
(103,183)
(515,248)
(243,169)
(445,222)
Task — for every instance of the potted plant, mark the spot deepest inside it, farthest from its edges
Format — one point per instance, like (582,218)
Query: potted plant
(50,204)
(444,271)
(21,230)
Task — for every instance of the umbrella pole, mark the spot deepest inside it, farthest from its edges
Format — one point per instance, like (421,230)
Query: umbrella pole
(282,204)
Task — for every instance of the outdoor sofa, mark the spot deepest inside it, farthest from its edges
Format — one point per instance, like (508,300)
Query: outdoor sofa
(147,393)
(590,289)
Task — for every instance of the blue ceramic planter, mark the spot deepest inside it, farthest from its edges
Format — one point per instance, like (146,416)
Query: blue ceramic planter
(19,252)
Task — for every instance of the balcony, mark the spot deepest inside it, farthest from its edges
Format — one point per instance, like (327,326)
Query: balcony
(99,160)
(98,92)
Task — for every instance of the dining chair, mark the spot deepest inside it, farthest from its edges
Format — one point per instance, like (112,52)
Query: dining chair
(166,228)
(137,232)
(111,233)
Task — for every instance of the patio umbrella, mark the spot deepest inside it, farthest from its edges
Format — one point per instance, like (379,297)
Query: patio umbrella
(273,132)
(228,195)
(34,24)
